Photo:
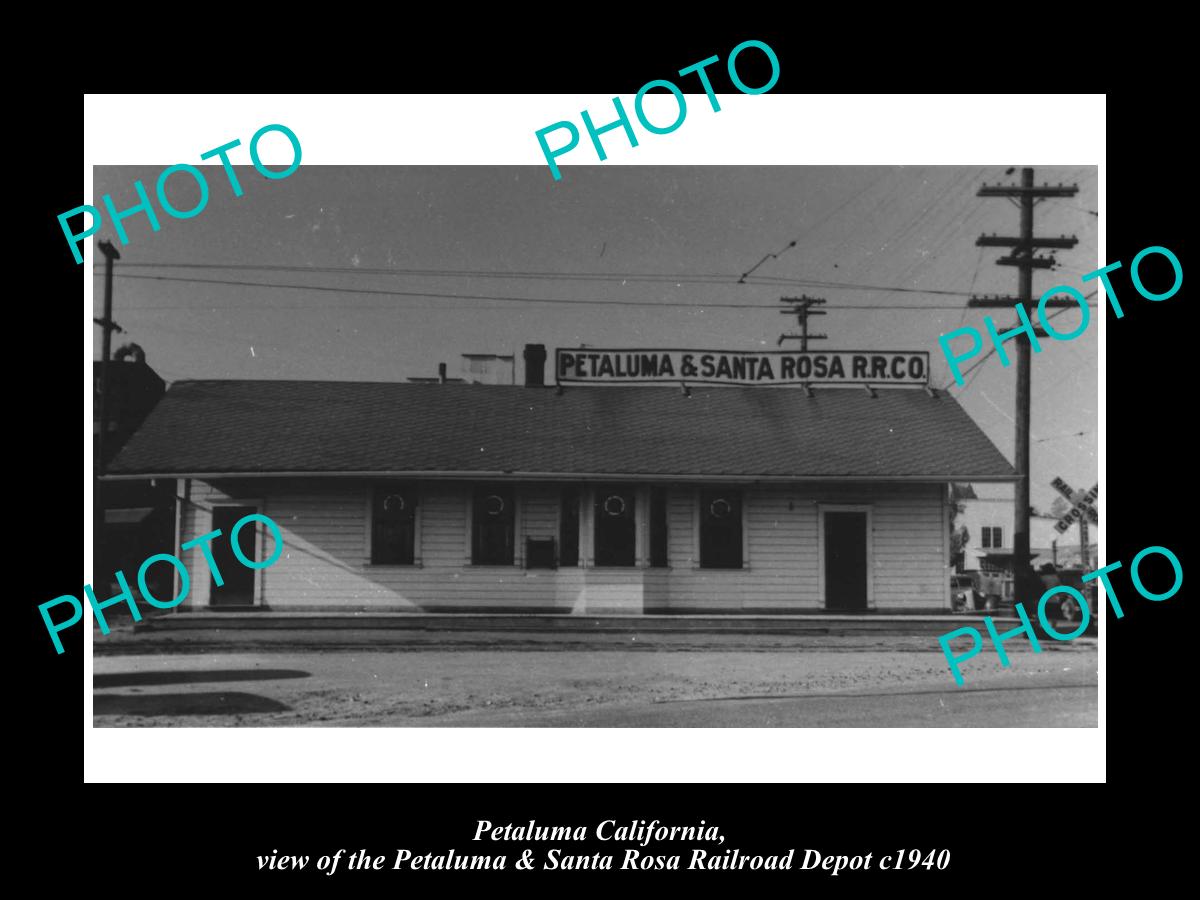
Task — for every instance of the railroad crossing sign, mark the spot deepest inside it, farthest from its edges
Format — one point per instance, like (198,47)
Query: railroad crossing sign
(1083,505)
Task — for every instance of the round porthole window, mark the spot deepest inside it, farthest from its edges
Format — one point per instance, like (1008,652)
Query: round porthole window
(720,508)
(394,503)
(614,505)
(493,505)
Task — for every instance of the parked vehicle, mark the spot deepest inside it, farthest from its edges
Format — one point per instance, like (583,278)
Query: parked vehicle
(992,592)
(1064,607)
(1061,608)
(997,590)
(965,595)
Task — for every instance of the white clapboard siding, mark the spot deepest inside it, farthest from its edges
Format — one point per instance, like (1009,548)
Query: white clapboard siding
(325,562)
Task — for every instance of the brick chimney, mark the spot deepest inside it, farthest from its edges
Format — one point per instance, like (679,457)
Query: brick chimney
(535,365)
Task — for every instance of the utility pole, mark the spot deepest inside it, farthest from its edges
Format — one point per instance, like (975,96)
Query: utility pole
(802,308)
(1025,584)
(110,254)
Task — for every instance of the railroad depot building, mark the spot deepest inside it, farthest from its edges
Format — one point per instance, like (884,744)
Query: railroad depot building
(580,497)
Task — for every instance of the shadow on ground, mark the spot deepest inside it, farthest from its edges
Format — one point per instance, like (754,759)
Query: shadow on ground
(864,695)
(128,679)
(209,703)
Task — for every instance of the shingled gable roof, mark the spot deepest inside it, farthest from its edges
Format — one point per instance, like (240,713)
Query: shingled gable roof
(332,427)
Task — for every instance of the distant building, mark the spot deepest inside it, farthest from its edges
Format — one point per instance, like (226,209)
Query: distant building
(133,390)
(489,368)
(983,532)
(138,515)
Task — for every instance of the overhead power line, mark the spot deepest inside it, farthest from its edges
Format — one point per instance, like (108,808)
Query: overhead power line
(750,271)
(451,273)
(847,285)
(813,227)
(1058,437)
(534,275)
(665,304)
(426,294)
(979,362)
(422,294)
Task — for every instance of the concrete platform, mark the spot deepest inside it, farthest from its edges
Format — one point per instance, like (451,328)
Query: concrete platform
(210,632)
(804,623)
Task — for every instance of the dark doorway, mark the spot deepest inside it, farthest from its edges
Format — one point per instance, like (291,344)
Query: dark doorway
(845,560)
(238,589)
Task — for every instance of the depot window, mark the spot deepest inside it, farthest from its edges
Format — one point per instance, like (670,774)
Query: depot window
(616,526)
(493,522)
(992,537)
(393,524)
(720,530)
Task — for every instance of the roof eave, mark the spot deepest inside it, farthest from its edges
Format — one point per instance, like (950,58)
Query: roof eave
(727,478)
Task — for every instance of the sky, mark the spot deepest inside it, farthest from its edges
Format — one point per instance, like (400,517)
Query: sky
(457,257)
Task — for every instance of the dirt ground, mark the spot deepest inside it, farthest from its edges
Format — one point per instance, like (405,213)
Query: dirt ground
(609,687)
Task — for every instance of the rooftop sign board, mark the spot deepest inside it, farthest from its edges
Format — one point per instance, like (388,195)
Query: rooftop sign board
(587,365)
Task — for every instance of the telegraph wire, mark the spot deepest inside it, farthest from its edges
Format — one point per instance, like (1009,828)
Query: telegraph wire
(846,285)
(974,278)
(447,273)
(747,273)
(820,222)
(492,297)
(422,294)
(979,362)
(1061,436)
(647,277)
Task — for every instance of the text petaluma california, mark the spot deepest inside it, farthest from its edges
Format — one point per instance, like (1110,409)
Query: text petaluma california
(639,830)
